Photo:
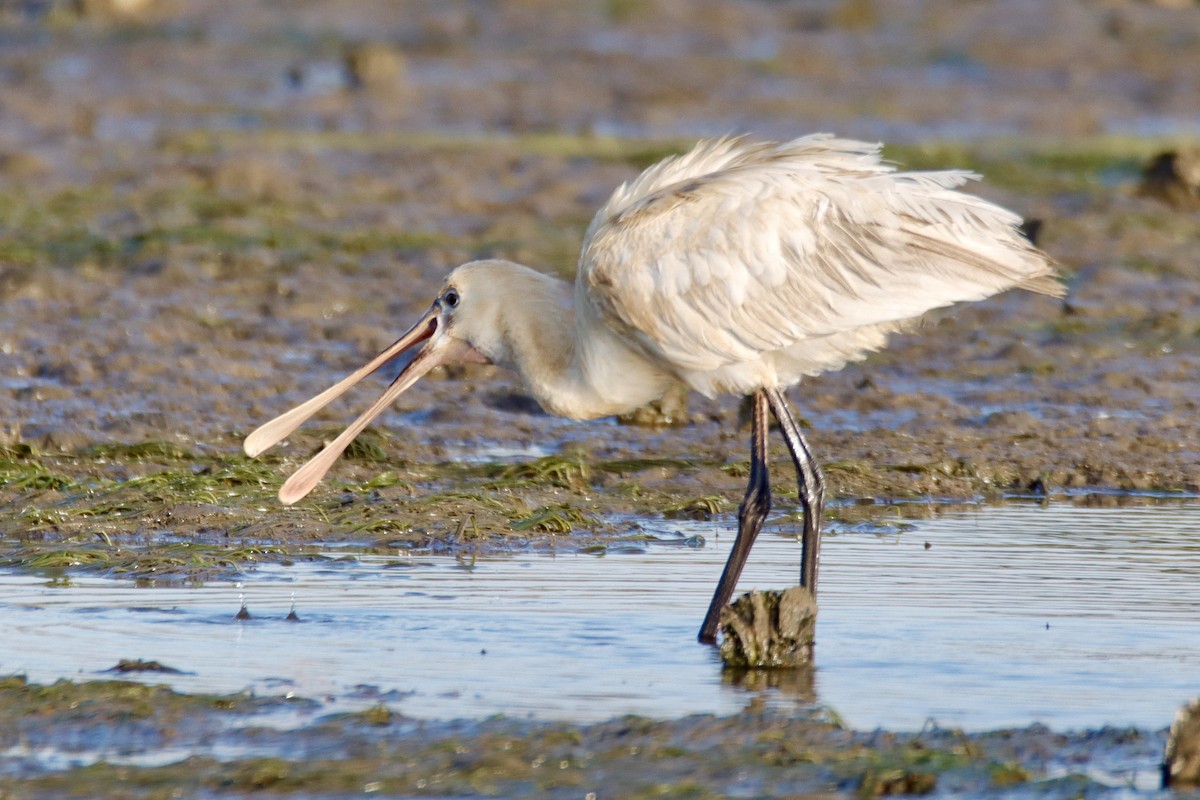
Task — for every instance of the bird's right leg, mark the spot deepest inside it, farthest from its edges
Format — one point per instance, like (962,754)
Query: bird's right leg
(812,488)
(751,514)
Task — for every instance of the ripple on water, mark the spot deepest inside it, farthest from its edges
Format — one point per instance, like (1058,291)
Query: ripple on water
(997,616)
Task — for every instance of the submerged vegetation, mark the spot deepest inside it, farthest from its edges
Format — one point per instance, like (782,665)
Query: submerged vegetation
(380,751)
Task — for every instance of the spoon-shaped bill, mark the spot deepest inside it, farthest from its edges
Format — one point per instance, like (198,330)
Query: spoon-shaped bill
(272,433)
(443,351)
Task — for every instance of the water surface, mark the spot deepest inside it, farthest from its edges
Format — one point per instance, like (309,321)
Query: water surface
(995,616)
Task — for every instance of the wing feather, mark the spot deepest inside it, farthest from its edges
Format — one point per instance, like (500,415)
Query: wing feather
(736,253)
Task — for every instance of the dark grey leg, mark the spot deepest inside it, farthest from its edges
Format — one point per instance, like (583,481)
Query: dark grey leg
(812,488)
(751,514)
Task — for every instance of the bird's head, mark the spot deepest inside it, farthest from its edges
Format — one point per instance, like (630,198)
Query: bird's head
(458,327)
(465,324)
(482,305)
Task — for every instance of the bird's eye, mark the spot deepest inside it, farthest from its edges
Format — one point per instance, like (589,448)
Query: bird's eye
(450,298)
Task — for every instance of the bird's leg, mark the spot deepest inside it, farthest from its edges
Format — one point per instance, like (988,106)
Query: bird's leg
(751,514)
(812,488)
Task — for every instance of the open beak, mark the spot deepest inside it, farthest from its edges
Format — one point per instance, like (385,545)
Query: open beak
(437,350)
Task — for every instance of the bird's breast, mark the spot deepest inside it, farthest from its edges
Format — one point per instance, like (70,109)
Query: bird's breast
(607,376)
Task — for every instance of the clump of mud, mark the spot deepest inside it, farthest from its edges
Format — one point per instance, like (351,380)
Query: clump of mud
(1174,178)
(376,66)
(769,629)
(669,411)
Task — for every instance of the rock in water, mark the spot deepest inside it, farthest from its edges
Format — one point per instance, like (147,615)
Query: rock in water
(770,629)
(1181,761)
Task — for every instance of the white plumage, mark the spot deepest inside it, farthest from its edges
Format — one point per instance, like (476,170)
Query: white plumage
(743,265)
(738,267)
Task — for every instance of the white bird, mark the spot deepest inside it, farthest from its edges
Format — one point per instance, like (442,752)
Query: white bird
(739,268)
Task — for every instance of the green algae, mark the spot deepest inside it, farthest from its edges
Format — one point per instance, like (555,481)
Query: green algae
(553,519)
(63,229)
(1034,168)
(696,508)
(66,700)
(149,450)
(563,471)
(155,509)
(639,153)
(368,446)
(380,751)
(170,561)
(32,476)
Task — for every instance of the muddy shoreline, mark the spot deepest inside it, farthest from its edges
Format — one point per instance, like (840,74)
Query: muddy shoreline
(204,219)
(757,752)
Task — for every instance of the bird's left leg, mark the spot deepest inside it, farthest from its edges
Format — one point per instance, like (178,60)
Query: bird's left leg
(751,514)
(812,488)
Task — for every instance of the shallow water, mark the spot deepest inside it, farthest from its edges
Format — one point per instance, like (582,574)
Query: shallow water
(996,616)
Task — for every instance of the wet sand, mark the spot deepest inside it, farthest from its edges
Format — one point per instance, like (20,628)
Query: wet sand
(757,753)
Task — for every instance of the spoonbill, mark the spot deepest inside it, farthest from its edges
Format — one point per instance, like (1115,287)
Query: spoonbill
(740,267)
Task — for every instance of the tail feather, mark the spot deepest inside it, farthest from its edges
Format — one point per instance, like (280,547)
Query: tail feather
(1045,284)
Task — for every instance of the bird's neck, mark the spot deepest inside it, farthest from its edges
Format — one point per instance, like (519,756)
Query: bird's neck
(574,366)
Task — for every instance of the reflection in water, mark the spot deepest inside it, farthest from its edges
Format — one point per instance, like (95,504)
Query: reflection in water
(798,684)
(990,617)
